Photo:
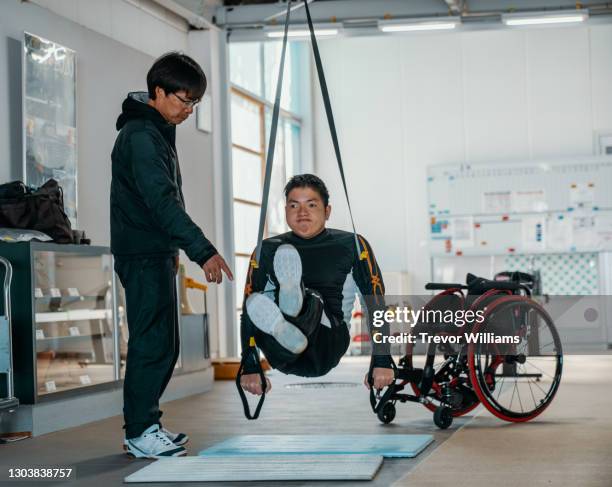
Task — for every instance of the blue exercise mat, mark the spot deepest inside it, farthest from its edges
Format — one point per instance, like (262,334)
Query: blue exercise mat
(398,446)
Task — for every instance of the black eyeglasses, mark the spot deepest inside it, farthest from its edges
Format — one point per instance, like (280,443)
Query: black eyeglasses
(188,103)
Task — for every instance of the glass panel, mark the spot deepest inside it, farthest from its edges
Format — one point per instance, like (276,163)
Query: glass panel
(272,57)
(74,320)
(276,198)
(245,66)
(247,175)
(50,118)
(292,149)
(246,123)
(246,221)
(242,268)
(292,77)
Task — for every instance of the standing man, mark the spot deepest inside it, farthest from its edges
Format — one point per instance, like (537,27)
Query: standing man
(149,225)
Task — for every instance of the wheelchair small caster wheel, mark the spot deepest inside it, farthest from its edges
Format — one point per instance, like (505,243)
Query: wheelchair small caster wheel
(386,414)
(443,417)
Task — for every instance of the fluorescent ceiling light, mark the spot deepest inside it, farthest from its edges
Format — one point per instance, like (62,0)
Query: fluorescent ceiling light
(326,30)
(543,18)
(414,25)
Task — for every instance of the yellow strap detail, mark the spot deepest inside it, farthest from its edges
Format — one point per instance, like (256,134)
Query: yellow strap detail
(254,264)
(252,342)
(364,255)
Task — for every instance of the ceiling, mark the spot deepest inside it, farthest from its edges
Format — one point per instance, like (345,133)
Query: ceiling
(249,14)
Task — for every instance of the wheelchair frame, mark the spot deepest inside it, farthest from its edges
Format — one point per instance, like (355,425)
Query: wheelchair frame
(456,394)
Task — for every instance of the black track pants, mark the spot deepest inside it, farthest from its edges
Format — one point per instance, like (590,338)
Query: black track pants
(326,346)
(153,345)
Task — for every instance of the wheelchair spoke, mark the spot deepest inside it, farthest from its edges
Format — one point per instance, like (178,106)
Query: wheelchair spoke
(549,343)
(500,389)
(535,404)
(538,386)
(518,395)
(534,370)
(548,375)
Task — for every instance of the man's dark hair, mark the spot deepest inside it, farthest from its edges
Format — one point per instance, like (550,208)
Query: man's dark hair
(175,71)
(308,181)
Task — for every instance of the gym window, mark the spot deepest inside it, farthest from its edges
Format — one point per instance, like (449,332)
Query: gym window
(253,75)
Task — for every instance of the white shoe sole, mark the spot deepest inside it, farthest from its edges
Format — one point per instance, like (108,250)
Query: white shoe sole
(288,270)
(134,452)
(266,316)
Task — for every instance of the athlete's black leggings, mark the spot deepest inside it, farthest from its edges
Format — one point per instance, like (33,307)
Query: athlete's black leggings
(326,346)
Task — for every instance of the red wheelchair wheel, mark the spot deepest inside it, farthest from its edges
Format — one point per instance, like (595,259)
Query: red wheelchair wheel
(515,366)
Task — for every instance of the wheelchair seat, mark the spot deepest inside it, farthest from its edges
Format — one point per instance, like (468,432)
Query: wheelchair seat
(479,285)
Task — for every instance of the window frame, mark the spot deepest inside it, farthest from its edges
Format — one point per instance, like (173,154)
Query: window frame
(285,116)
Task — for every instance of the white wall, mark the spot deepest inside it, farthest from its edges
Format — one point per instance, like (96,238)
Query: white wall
(141,24)
(405,102)
(110,63)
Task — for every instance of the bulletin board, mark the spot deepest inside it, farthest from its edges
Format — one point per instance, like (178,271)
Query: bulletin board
(549,206)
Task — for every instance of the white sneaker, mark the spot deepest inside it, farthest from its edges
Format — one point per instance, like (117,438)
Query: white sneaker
(176,438)
(152,444)
(268,318)
(288,270)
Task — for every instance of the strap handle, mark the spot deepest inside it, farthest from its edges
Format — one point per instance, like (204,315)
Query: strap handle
(377,402)
(243,398)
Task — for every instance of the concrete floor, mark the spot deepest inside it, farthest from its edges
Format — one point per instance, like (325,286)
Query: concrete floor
(570,444)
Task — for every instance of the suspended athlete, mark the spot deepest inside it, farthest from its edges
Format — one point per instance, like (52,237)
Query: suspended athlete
(300,296)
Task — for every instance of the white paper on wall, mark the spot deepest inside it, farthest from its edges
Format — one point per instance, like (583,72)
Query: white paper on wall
(497,202)
(463,232)
(585,236)
(529,201)
(533,229)
(560,235)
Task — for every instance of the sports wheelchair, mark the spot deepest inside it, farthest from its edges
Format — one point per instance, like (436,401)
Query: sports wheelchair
(514,381)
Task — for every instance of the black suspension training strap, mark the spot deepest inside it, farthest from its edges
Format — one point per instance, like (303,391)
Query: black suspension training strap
(252,352)
(330,120)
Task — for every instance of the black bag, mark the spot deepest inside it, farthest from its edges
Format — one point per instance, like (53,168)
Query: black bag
(41,209)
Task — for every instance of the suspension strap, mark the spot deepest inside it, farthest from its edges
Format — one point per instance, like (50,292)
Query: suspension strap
(274,128)
(251,352)
(331,122)
(272,142)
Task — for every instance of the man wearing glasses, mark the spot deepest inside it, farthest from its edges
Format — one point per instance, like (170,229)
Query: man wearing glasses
(149,225)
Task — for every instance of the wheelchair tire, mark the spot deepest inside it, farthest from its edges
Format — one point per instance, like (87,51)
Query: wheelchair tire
(532,367)
(386,414)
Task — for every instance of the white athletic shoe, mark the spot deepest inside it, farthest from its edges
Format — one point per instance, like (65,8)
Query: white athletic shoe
(153,444)
(268,318)
(288,270)
(176,438)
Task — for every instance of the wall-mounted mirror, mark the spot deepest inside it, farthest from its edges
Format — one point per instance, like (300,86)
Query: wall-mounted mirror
(49,115)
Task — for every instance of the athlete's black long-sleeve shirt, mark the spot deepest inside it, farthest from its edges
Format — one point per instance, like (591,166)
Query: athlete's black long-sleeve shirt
(332,266)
